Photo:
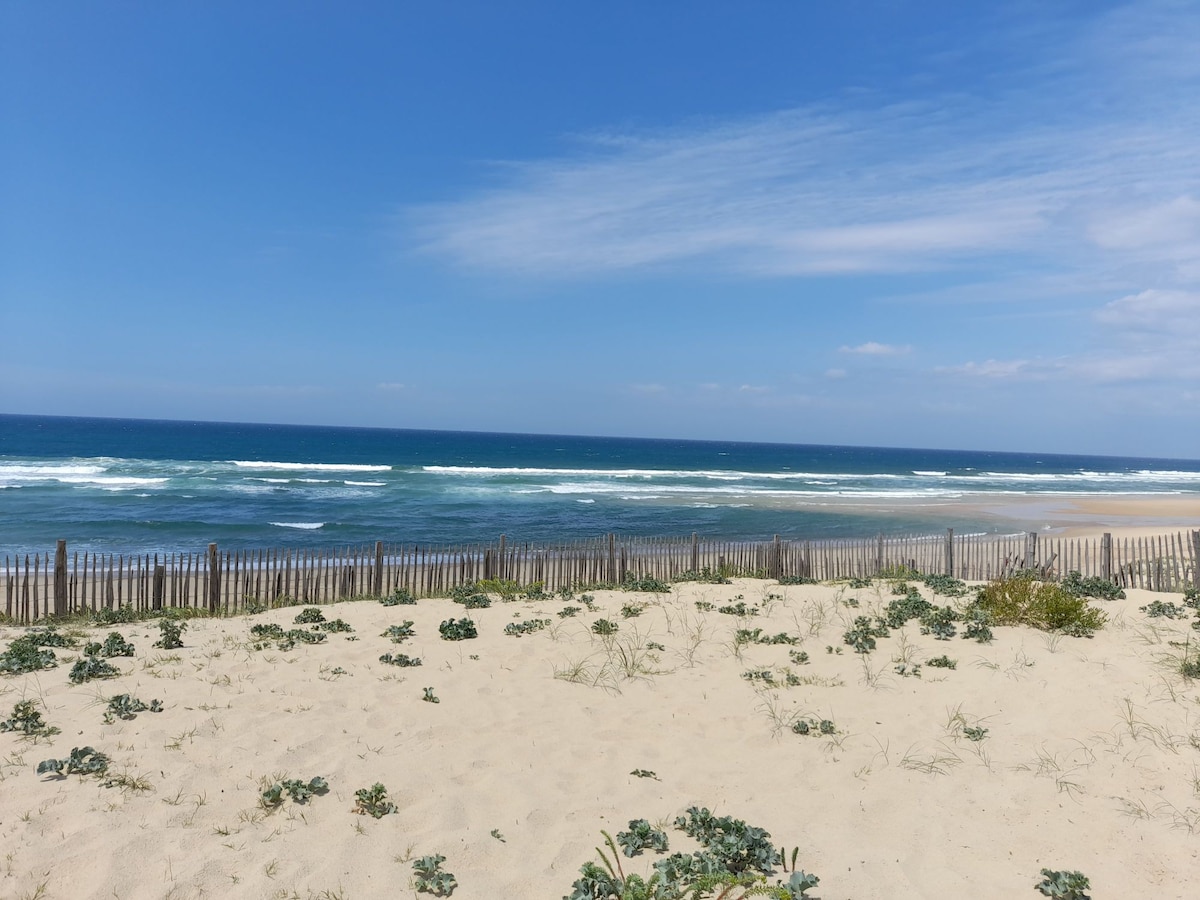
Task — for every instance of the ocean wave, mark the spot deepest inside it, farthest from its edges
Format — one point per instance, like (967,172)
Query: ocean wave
(307,526)
(365,483)
(314,467)
(934,474)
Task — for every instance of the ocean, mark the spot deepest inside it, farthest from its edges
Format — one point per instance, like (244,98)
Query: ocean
(127,486)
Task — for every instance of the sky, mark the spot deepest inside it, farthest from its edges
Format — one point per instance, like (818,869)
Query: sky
(924,224)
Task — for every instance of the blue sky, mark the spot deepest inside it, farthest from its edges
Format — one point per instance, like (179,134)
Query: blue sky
(926,224)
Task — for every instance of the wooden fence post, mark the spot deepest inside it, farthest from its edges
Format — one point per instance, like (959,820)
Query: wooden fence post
(695,552)
(879,555)
(160,583)
(1196,559)
(378,585)
(502,569)
(214,579)
(950,552)
(776,558)
(612,558)
(1031,550)
(1106,556)
(60,579)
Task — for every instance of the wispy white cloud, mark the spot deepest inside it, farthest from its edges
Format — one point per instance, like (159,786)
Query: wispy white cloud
(1069,169)
(872,348)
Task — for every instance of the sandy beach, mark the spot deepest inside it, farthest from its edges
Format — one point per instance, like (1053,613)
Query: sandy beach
(1089,758)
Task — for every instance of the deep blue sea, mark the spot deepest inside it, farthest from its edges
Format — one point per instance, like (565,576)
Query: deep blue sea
(136,485)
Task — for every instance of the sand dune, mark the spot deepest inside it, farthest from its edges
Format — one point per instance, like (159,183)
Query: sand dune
(1090,761)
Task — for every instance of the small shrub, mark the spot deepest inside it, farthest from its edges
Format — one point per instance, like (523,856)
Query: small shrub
(644,773)
(335,626)
(430,879)
(797,579)
(399,597)
(641,836)
(1065,885)
(909,670)
(82,761)
(1190,668)
(114,645)
(400,659)
(170,634)
(529,626)
(429,696)
(977,626)
(309,616)
(91,667)
(1049,607)
(704,606)
(855,582)
(974,733)
(942,662)
(373,802)
(124,706)
(27,720)
(568,611)
(632,610)
(458,630)
(505,588)
(798,657)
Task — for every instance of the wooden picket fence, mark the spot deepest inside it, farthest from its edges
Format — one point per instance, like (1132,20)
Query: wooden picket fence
(41,585)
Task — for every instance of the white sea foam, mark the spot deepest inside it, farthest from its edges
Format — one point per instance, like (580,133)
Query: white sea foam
(934,474)
(307,526)
(365,483)
(313,467)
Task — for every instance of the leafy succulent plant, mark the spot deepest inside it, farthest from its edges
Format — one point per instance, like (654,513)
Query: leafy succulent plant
(91,667)
(27,720)
(458,629)
(170,634)
(1064,885)
(82,761)
(124,706)
(114,645)
(373,801)
(430,879)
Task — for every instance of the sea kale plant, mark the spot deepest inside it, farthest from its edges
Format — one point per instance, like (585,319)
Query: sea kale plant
(125,706)
(399,597)
(299,791)
(429,877)
(114,645)
(733,866)
(402,660)
(82,761)
(91,667)
(170,634)
(373,802)
(529,626)
(458,629)
(861,636)
(25,655)
(1064,885)
(27,721)
(641,836)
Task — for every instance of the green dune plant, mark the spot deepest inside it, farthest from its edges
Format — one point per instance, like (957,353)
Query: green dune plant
(1043,605)
(27,720)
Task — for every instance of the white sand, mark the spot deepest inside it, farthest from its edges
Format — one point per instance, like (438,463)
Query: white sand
(1091,760)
